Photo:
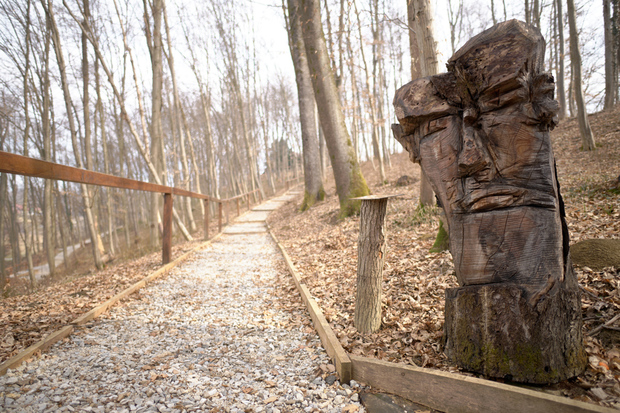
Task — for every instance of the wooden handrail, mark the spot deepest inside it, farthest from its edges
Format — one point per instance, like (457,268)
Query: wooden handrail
(22,165)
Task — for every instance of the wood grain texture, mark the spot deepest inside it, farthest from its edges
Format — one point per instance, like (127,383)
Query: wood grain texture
(449,392)
(481,134)
(370,259)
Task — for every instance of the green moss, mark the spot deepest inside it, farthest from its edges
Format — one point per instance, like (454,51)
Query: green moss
(310,199)
(442,242)
(357,188)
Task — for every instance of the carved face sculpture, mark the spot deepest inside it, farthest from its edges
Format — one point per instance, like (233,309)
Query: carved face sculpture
(481,134)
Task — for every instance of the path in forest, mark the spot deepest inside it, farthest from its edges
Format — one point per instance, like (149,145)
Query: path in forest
(212,335)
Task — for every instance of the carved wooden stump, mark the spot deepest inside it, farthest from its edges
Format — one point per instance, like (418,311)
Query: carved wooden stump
(481,134)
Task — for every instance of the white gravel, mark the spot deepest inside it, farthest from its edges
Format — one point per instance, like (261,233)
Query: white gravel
(207,337)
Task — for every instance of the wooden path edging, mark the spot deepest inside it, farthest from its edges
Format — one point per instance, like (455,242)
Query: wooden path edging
(67,330)
(443,391)
(328,338)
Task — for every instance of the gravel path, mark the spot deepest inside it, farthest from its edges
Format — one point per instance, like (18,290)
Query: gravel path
(213,335)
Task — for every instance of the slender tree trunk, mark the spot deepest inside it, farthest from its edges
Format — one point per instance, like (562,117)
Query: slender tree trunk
(560,56)
(421,28)
(587,140)
(611,76)
(27,238)
(371,92)
(182,130)
(106,161)
(350,182)
(61,227)
(69,109)
(47,155)
(3,202)
(312,169)
(157,155)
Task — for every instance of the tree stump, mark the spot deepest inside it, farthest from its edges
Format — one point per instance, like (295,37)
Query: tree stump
(370,258)
(481,134)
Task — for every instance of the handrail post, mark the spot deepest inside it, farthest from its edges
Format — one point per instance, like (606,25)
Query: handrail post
(227,211)
(207,218)
(167,238)
(219,216)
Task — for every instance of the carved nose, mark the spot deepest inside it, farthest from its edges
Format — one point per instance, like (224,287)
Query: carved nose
(472,158)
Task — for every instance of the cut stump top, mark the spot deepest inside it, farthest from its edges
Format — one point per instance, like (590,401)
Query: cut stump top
(376,197)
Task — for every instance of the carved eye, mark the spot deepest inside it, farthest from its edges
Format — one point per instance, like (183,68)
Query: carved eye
(436,125)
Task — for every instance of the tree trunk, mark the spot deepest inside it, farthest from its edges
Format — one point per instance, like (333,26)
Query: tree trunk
(587,140)
(370,258)
(69,109)
(48,216)
(371,92)
(157,155)
(25,207)
(419,15)
(106,161)
(3,202)
(182,129)
(560,56)
(611,77)
(312,168)
(350,182)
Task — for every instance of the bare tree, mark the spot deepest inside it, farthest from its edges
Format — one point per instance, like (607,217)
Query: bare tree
(350,182)
(421,33)
(587,140)
(611,58)
(313,181)
(560,56)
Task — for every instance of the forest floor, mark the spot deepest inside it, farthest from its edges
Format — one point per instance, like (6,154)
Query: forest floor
(324,250)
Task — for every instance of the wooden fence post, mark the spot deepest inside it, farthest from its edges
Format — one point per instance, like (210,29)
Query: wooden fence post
(238,210)
(219,216)
(370,258)
(248,202)
(167,239)
(227,211)
(207,218)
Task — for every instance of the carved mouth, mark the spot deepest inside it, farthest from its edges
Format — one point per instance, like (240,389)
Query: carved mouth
(493,197)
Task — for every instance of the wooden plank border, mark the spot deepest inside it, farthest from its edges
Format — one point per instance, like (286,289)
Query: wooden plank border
(41,345)
(333,347)
(450,392)
(67,330)
(443,391)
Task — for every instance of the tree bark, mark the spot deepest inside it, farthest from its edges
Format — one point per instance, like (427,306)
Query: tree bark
(181,127)
(25,207)
(350,182)
(370,258)
(419,14)
(69,109)
(313,181)
(560,78)
(611,77)
(371,93)
(587,140)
